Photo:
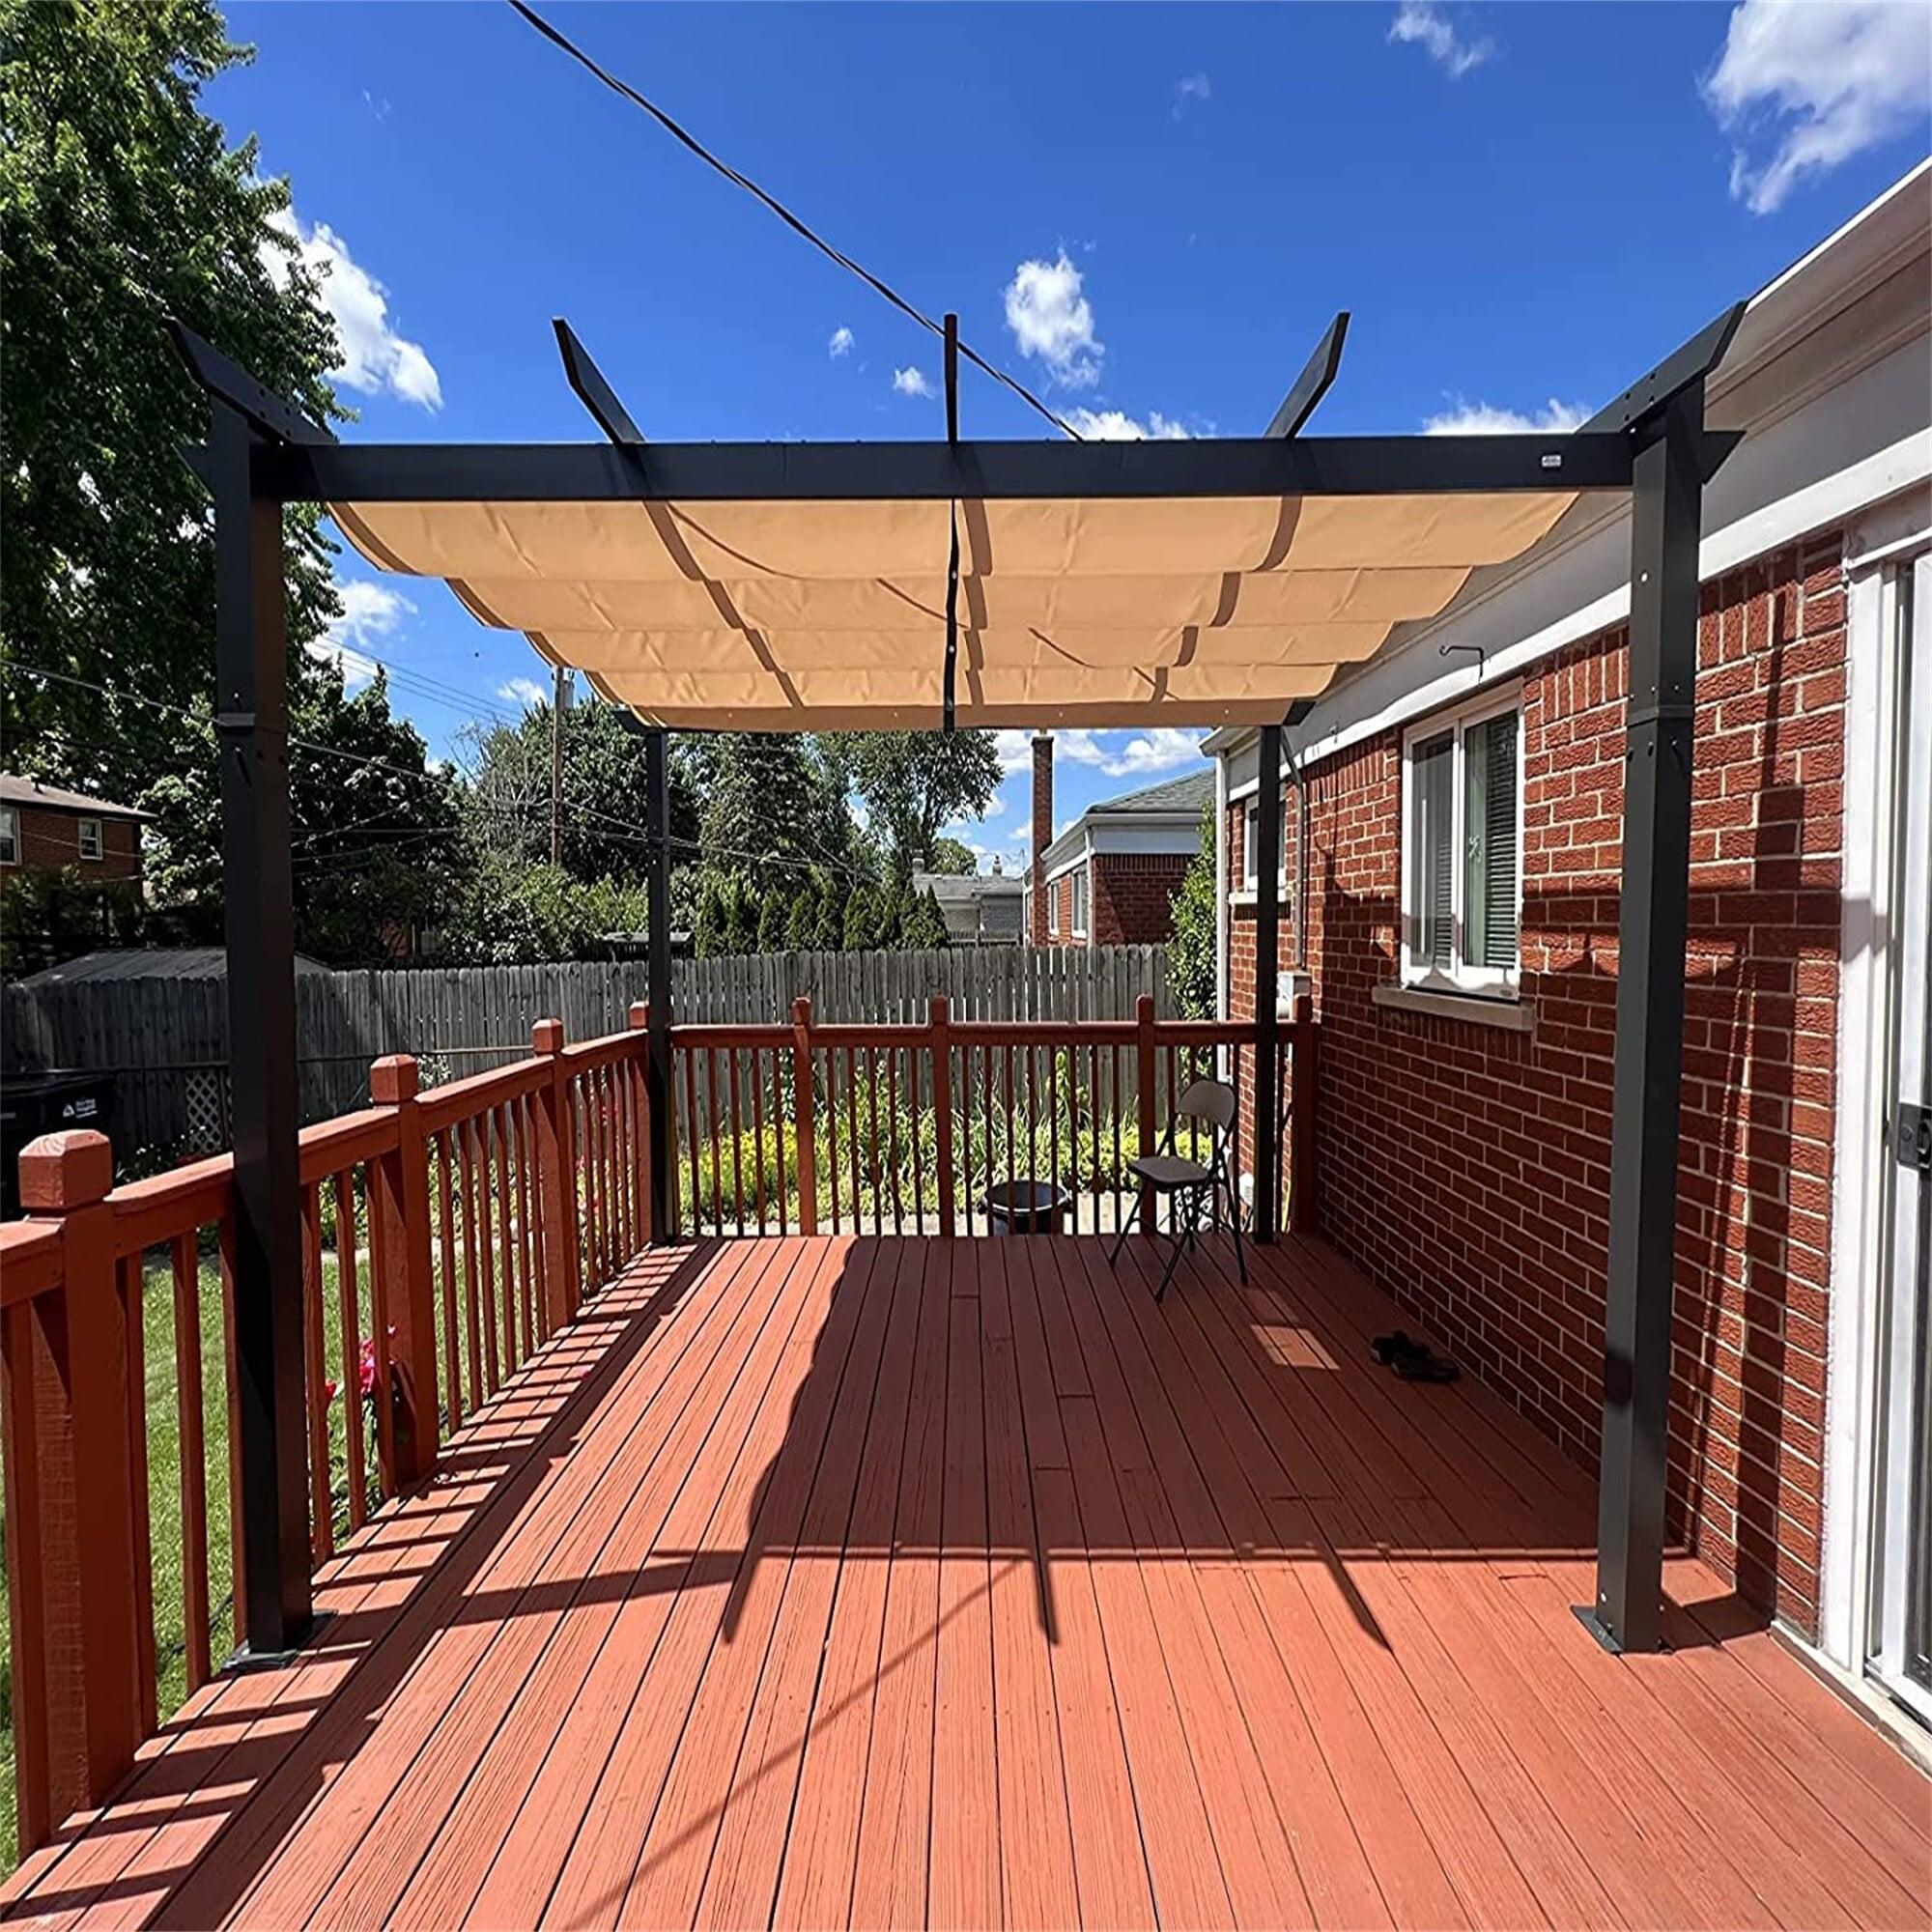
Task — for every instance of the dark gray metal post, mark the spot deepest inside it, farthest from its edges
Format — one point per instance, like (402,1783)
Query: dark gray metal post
(1665,523)
(252,740)
(656,1037)
(1267,975)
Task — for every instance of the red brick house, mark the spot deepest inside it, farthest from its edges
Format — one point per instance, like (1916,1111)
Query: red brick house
(1451,887)
(46,828)
(1110,878)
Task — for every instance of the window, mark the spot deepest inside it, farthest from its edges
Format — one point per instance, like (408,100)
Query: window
(9,836)
(1251,825)
(1053,905)
(1079,882)
(89,837)
(1462,819)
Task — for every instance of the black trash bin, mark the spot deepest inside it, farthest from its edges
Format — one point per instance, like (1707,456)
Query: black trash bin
(1027,1206)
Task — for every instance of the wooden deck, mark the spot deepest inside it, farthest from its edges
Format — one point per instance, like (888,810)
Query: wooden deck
(817,1582)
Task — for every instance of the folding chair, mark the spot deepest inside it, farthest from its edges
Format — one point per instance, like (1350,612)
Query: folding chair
(1176,1178)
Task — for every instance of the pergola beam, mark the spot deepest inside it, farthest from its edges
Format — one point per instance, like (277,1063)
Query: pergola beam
(593,391)
(1316,378)
(698,472)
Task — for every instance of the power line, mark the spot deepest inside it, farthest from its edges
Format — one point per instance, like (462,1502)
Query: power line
(558,39)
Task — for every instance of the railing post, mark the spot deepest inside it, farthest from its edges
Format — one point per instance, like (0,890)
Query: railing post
(70,1502)
(1301,1163)
(557,1164)
(940,1020)
(399,1250)
(1144,1045)
(643,1126)
(801,1115)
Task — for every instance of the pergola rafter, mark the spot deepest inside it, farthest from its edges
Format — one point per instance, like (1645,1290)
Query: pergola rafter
(1126,518)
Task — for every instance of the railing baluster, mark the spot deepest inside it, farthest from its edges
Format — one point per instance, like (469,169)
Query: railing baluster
(532,1309)
(1053,1133)
(322,1502)
(184,1261)
(853,1137)
(452,1342)
(499,1118)
(691,1138)
(832,1129)
(892,1129)
(237,1570)
(352,1356)
(758,1132)
(737,1139)
(464,1134)
(717,1152)
(133,1286)
(779,1138)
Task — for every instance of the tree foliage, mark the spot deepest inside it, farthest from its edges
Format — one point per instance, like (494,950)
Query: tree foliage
(952,858)
(516,915)
(915,781)
(924,926)
(121,206)
(1191,952)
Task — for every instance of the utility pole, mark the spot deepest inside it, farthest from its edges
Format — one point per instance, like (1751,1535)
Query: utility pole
(559,699)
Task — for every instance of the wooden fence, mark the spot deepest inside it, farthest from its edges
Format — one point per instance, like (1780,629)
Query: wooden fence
(166,1040)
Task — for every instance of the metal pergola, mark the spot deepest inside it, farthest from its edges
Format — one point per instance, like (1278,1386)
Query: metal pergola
(262,454)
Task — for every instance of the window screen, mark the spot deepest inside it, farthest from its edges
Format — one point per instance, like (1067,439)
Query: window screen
(9,837)
(90,838)
(1488,882)
(1432,803)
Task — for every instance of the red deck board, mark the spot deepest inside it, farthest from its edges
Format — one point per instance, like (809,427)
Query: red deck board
(882,1582)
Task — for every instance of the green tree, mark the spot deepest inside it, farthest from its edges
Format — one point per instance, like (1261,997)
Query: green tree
(741,915)
(514,915)
(711,938)
(861,932)
(834,896)
(120,205)
(802,924)
(605,805)
(378,850)
(924,929)
(951,856)
(915,781)
(770,804)
(1191,959)
(775,919)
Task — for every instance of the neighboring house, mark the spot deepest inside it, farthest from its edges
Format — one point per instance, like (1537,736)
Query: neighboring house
(1110,878)
(44,828)
(1452,849)
(980,908)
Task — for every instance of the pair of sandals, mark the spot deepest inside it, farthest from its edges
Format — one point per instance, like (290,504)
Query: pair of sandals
(1412,1360)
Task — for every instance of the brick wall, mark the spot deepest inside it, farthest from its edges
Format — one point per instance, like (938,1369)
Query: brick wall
(50,839)
(1467,1169)
(1042,837)
(1133,897)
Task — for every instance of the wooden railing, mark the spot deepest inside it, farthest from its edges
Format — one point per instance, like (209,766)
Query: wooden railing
(442,1244)
(902,1129)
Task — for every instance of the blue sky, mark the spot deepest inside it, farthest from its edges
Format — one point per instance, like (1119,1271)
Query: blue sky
(1147,212)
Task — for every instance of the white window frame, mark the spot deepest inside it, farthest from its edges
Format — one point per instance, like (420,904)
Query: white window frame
(1251,825)
(80,829)
(10,835)
(1490,982)
(1053,907)
(1080,891)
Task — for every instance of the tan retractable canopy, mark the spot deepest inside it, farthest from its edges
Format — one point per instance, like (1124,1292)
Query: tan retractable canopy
(830,614)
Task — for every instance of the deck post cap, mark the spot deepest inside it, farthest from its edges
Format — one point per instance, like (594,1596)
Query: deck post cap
(60,1171)
(394,1078)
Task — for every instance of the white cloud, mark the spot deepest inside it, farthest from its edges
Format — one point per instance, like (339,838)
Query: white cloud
(370,614)
(1467,418)
(840,343)
(1193,87)
(1116,426)
(1015,749)
(911,383)
(374,356)
(1422,22)
(1051,317)
(1142,754)
(1819,84)
(524,690)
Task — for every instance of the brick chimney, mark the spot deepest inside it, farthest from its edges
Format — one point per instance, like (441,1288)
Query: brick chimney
(1042,834)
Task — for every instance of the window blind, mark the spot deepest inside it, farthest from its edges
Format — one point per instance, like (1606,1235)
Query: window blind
(1490,882)
(1435,851)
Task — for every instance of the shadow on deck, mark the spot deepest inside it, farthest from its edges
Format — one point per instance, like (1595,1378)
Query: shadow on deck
(881,1582)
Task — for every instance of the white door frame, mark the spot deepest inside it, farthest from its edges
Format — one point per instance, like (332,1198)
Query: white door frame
(1861,1185)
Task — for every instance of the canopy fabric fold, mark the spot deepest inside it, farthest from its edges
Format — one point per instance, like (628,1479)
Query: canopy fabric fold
(831,615)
